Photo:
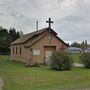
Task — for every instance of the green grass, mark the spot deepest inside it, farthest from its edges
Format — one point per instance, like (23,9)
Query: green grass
(18,77)
(76,58)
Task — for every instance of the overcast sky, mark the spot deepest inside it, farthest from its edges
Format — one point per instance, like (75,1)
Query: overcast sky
(71,17)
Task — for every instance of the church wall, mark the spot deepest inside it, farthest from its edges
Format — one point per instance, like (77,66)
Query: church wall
(45,42)
(17,56)
(27,53)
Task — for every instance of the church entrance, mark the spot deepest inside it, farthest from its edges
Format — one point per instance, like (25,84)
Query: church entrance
(47,53)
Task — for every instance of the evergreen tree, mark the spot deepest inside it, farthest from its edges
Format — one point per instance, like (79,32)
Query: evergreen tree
(6,37)
(75,44)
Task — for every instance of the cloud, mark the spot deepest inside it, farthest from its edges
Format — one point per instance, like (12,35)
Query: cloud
(71,17)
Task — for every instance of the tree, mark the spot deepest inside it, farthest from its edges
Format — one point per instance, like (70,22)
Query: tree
(60,61)
(13,35)
(6,37)
(84,45)
(3,40)
(75,44)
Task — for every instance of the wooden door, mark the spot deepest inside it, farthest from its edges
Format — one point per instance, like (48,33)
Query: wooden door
(48,51)
(47,56)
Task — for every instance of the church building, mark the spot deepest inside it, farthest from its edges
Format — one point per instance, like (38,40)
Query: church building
(37,46)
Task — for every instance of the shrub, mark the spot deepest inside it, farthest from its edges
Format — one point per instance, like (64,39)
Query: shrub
(60,61)
(85,58)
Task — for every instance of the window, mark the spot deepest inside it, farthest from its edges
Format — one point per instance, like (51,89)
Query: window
(36,52)
(13,50)
(20,51)
(16,50)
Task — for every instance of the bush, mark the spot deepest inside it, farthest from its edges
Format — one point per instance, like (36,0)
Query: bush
(85,58)
(60,61)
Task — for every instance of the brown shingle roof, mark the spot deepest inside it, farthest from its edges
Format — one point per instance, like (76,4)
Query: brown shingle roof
(26,37)
(38,38)
(32,35)
(34,40)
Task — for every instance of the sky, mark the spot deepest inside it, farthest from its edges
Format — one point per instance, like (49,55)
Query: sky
(71,17)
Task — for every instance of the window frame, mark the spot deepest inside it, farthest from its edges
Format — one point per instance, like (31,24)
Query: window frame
(20,52)
(13,49)
(16,50)
(36,52)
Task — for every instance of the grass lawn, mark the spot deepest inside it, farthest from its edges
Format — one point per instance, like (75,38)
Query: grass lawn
(18,77)
(76,57)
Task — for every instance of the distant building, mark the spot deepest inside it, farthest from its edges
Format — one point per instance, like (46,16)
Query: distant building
(87,50)
(73,50)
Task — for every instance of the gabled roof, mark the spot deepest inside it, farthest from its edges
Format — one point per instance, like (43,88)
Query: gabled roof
(34,40)
(28,36)
(34,37)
